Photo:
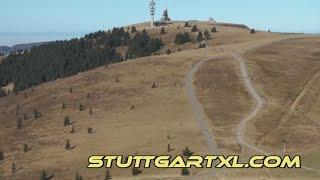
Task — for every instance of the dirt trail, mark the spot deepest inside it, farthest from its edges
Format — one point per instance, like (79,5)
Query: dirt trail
(259,105)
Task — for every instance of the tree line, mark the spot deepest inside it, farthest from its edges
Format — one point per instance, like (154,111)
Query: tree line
(60,59)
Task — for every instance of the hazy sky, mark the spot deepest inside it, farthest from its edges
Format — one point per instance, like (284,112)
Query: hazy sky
(36,20)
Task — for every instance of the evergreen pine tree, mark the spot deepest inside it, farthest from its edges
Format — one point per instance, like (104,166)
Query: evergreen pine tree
(68,145)
(200,37)
(19,123)
(133,29)
(13,168)
(187,152)
(43,175)
(25,148)
(1,155)
(185,172)
(78,176)
(67,121)
(72,130)
(207,34)
(163,31)
(194,28)
(136,171)
(214,30)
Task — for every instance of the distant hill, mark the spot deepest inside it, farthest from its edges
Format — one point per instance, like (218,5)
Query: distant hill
(7,49)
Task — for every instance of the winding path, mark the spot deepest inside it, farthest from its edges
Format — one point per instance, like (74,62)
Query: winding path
(241,130)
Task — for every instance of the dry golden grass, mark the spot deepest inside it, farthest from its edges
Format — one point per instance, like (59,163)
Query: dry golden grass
(120,129)
(225,100)
(287,73)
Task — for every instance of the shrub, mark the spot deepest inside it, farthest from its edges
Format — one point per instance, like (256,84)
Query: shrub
(25,117)
(136,171)
(108,176)
(187,152)
(90,111)
(163,31)
(194,29)
(182,38)
(67,121)
(70,90)
(252,31)
(185,172)
(200,37)
(1,155)
(186,24)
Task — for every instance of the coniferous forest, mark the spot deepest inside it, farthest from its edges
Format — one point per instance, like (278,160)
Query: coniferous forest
(61,59)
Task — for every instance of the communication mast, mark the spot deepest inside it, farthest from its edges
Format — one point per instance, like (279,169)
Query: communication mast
(152,7)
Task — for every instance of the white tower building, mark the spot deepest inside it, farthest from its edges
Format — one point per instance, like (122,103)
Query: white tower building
(152,7)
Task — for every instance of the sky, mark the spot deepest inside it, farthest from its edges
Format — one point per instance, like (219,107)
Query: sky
(23,21)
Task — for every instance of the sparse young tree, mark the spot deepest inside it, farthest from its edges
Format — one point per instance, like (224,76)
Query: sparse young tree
(90,111)
(72,130)
(169,148)
(70,90)
(81,107)
(17,109)
(200,37)
(88,95)
(154,85)
(136,171)
(68,145)
(19,123)
(207,34)
(64,106)
(133,29)
(43,175)
(13,168)
(187,152)
(25,148)
(163,31)
(78,176)
(90,130)
(186,24)
(67,121)
(252,31)
(108,175)
(194,29)
(36,114)
(214,30)
(185,172)
(25,117)
(168,51)
(1,155)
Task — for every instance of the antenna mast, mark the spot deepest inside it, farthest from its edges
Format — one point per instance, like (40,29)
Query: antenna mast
(152,7)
